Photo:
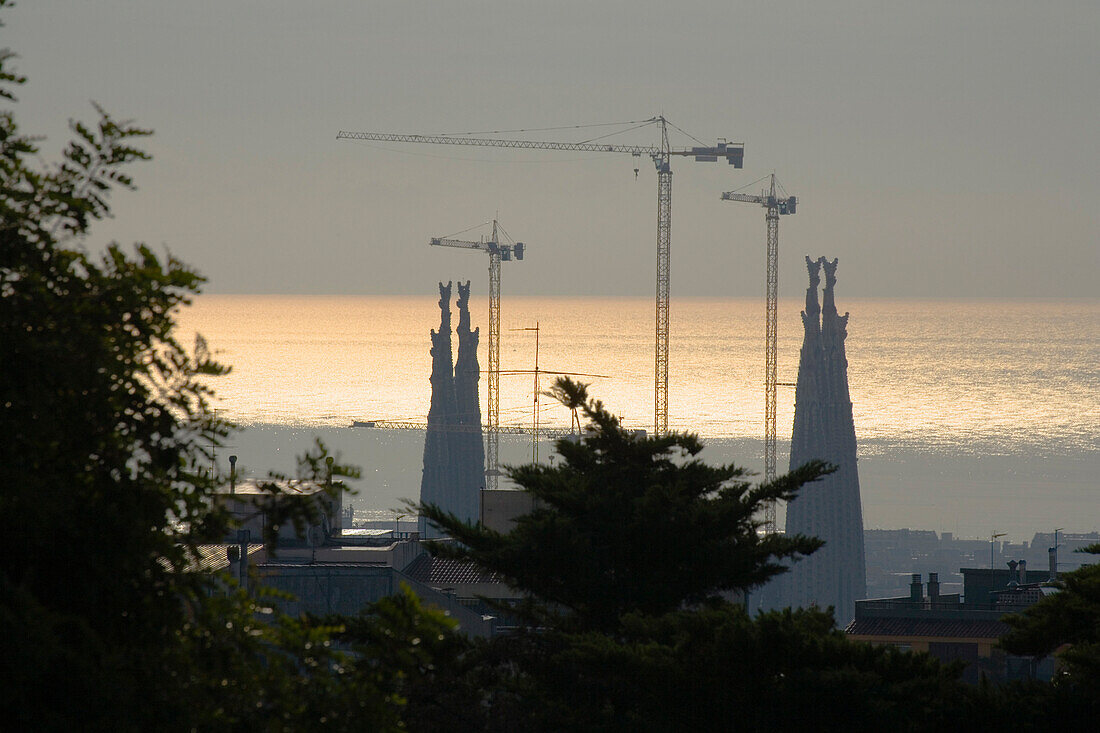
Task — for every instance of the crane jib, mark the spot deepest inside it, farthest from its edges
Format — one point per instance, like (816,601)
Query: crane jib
(661,155)
(733,153)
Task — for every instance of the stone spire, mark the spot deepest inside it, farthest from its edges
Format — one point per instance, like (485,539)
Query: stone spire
(467,448)
(829,509)
(436,480)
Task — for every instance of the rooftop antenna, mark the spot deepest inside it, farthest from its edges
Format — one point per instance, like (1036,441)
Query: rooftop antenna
(992,536)
(535,402)
(1054,555)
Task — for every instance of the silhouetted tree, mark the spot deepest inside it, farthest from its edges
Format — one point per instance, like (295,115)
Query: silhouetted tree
(630,523)
(109,623)
(1067,625)
(714,668)
(625,560)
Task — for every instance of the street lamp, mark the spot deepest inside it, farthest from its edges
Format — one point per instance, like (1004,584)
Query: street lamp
(994,535)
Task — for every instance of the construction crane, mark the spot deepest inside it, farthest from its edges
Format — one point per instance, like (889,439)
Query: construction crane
(497,252)
(776,207)
(661,155)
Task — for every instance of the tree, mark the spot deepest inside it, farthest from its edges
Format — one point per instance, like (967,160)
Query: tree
(625,557)
(715,668)
(1066,624)
(101,414)
(105,503)
(626,523)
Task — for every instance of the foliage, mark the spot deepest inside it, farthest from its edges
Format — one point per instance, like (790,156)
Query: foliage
(626,523)
(624,558)
(1067,624)
(103,416)
(283,672)
(106,501)
(417,659)
(714,668)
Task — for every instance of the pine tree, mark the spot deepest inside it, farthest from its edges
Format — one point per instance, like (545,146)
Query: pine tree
(629,523)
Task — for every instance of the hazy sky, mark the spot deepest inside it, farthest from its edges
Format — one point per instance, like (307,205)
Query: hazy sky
(938,148)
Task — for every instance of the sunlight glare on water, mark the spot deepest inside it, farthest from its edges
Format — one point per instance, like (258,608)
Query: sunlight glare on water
(965,376)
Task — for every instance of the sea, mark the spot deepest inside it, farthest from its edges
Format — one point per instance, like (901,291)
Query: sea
(972,416)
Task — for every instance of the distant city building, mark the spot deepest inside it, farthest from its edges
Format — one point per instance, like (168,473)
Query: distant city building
(454,455)
(501,507)
(954,626)
(252,503)
(327,567)
(893,554)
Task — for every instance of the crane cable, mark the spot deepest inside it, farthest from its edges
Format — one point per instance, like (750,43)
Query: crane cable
(475,226)
(617,132)
(758,180)
(685,132)
(546,129)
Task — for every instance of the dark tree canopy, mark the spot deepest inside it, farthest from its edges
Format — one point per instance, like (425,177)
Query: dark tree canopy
(109,623)
(714,668)
(625,557)
(627,523)
(1066,623)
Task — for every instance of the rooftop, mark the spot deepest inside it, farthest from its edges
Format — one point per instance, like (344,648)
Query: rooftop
(931,628)
(436,571)
(261,487)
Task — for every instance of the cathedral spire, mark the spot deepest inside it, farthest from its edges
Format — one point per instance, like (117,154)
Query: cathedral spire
(824,429)
(437,450)
(467,448)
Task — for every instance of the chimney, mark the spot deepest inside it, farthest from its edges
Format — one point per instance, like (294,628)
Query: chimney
(1052,559)
(243,538)
(933,587)
(1012,575)
(232,474)
(1023,572)
(915,590)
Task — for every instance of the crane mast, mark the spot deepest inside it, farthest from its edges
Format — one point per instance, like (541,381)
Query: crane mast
(661,155)
(664,257)
(775,207)
(492,443)
(496,252)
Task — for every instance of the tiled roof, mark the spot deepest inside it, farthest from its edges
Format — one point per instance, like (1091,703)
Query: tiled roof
(928,627)
(259,487)
(437,571)
(214,557)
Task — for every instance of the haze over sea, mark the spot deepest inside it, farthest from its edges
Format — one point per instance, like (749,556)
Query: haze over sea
(971,416)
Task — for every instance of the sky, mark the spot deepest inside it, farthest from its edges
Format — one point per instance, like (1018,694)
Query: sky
(940,149)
